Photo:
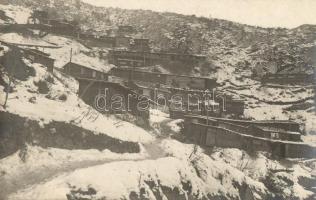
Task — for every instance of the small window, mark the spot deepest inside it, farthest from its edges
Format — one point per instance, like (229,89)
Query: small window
(94,74)
(274,135)
(102,76)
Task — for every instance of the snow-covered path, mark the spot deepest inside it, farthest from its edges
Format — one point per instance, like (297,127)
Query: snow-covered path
(152,151)
(43,175)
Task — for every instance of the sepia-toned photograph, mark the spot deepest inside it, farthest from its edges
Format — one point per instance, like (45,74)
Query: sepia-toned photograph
(157,100)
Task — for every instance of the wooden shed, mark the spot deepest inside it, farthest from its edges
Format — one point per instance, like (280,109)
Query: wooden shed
(81,71)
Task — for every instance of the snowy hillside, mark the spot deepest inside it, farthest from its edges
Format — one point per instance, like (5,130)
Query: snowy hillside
(226,44)
(27,102)
(227,174)
(64,149)
(15,14)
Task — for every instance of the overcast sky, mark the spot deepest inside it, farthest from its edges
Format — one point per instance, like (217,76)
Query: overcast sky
(266,13)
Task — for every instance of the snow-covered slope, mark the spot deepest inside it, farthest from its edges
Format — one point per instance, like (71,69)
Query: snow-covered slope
(164,168)
(18,13)
(80,53)
(226,44)
(179,176)
(48,107)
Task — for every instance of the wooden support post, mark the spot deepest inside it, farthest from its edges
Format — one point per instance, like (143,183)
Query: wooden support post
(70,55)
